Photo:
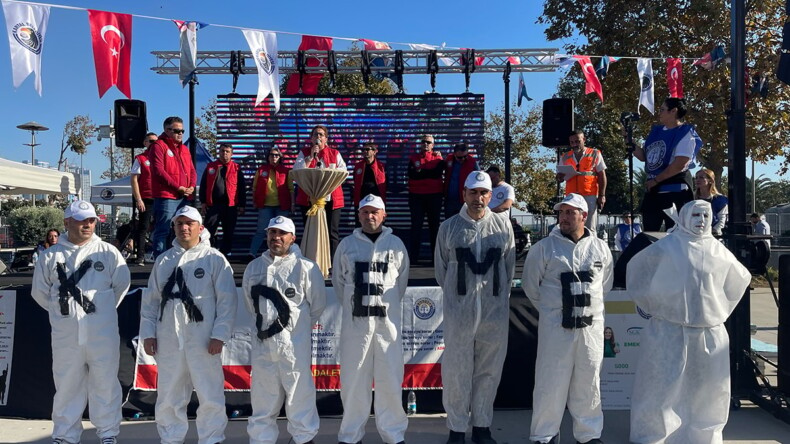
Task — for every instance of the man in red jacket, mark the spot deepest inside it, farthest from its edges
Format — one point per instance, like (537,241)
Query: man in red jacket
(425,195)
(143,196)
(459,165)
(223,195)
(370,176)
(173,180)
(320,155)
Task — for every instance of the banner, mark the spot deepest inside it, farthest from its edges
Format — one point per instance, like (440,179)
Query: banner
(7,321)
(675,77)
(188,45)
(27,26)
(111,35)
(644,68)
(422,334)
(263,46)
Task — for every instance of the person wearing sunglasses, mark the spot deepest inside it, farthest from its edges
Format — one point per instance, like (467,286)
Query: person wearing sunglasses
(223,195)
(426,171)
(272,189)
(173,181)
(370,176)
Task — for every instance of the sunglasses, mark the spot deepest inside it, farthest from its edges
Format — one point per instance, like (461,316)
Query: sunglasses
(427,142)
(274,154)
(176,131)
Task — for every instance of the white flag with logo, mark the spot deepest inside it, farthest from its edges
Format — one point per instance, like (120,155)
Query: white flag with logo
(27,25)
(264,50)
(645,69)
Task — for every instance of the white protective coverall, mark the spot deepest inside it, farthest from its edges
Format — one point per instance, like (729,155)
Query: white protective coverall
(286,296)
(566,282)
(199,296)
(370,280)
(690,283)
(85,339)
(475,262)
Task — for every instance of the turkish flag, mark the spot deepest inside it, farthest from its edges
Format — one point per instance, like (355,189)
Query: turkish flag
(593,84)
(309,81)
(111,35)
(675,77)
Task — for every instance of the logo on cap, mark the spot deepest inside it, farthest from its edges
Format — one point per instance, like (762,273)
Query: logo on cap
(183,210)
(480,176)
(370,198)
(279,220)
(84,206)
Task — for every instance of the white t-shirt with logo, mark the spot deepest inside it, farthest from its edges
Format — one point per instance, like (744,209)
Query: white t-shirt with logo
(501,193)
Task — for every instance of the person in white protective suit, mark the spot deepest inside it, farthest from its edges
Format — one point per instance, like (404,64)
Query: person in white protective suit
(285,293)
(690,283)
(565,276)
(80,281)
(475,260)
(187,314)
(370,276)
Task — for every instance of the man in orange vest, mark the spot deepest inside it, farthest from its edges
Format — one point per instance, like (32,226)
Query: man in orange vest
(223,195)
(589,179)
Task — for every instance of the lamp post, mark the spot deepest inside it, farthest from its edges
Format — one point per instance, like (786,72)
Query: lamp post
(32,127)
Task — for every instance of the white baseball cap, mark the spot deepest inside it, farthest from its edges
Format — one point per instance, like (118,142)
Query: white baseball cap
(478,179)
(574,200)
(79,210)
(371,200)
(282,223)
(190,212)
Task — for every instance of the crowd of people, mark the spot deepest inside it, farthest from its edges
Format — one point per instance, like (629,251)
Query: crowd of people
(188,308)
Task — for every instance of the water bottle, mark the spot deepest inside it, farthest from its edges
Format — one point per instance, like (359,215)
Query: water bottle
(411,403)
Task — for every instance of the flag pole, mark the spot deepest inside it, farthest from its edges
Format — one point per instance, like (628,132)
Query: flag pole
(506,78)
(192,149)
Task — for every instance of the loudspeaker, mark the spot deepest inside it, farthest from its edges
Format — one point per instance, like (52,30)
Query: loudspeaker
(131,124)
(640,242)
(557,122)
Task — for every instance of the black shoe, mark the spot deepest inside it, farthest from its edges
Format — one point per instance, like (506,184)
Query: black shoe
(456,438)
(592,441)
(401,442)
(482,435)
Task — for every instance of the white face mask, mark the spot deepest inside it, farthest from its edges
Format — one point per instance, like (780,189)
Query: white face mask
(700,222)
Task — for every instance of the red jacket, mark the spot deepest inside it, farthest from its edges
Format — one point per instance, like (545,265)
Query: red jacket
(425,173)
(260,181)
(172,167)
(469,165)
(378,173)
(144,181)
(327,156)
(231,181)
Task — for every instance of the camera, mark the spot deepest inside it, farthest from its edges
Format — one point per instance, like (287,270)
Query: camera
(628,117)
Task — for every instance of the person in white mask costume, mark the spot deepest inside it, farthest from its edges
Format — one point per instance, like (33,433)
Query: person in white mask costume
(285,294)
(80,281)
(690,283)
(565,276)
(475,261)
(187,314)
(370,276)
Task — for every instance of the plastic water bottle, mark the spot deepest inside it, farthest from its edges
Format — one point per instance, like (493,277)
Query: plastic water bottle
(411,403)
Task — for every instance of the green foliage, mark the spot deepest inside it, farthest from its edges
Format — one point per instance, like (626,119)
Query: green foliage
(30,224)
(531,177)
(77,135)
(206,126)
(662,29)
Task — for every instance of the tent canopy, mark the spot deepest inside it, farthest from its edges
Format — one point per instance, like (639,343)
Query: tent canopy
(20,178)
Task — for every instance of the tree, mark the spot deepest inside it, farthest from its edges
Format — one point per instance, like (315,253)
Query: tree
(530,174)
(30,224)
(206,126)
(662,29)
(122,162)
(77,135)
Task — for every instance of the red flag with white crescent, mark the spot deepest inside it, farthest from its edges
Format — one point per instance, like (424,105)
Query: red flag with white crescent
(309,81)
(111,34)
(593,83)
(675,77)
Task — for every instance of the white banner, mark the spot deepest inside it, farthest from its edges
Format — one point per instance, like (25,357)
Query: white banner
(264,50)
(27,25)
(644,68)
(623,327)
(7,320)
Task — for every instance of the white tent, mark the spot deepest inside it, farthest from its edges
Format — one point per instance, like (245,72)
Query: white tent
(20,178)
(116,192)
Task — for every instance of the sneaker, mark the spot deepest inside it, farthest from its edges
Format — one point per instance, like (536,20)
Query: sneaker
(482,435)
(456,438)
(109,440)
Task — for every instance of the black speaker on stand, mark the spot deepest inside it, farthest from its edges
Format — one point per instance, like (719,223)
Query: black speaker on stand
(131,123)
(558,122)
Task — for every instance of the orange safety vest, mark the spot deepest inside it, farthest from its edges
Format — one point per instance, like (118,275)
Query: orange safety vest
(586,180)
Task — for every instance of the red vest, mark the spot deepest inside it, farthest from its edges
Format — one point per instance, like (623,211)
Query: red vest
(327,156)
(378,173)
(425,186)
(260,181)
(171,167)
(231,180)
(144,181)
(466,168)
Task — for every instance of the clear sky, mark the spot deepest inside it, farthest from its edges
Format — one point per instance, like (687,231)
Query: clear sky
(69,79)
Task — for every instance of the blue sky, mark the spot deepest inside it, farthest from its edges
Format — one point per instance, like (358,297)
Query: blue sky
(69,80)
